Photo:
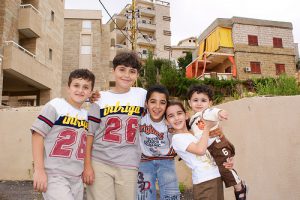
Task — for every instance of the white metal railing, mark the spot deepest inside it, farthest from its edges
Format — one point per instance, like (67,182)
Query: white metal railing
(221,76)
(30,6)
(162,2)
(158,2)
(20,47)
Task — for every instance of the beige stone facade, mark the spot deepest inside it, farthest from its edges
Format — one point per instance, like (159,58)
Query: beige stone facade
(86,45)
(183,46)
(153,29)
(31,38)
(235,40)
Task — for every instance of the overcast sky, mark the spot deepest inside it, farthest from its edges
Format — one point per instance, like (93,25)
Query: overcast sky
(191,17)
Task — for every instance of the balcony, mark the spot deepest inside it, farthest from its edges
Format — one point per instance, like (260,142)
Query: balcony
(147,12)
(120,20)
(146,26)
(219,76)
(120,35)
(30,21)
(146,41)
(147,2)
(22,64)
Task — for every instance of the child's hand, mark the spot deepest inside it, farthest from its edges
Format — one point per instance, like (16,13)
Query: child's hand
(95,96)
(88,175)
(40,181)
(229,163)
(209,124)
(223,115)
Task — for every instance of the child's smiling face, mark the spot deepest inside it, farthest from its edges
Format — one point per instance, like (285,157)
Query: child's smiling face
(199,102)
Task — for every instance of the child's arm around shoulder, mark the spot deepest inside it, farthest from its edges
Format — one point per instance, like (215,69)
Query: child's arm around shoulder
(39,176)
(88,175)
(200,147)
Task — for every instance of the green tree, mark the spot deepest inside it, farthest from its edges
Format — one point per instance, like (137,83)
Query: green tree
(169,78)
(184,61)
(150,71)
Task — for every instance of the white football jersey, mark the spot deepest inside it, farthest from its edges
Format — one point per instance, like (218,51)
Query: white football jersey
(114,122)
(64,129)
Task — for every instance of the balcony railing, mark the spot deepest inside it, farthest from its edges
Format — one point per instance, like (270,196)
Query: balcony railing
(20,47)
(30,6)
(146,26)
(219,76)
(23,64)
(146,41)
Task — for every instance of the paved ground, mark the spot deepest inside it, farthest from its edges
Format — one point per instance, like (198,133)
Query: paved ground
(22,190)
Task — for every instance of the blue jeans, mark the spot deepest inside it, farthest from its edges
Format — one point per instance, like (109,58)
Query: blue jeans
(164,172)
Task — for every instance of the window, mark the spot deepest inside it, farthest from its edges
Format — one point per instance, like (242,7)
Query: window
(277,42)
(228,69)
(280,69)
(252,40)
(144,51)
(50,54)
(52,15)
(167,48)
(255,67)
(167,33)
(86,50)
(86,39)
(167,18)
(86,24)
(112,42)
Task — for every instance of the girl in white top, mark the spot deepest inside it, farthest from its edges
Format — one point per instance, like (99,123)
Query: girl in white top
(207,183)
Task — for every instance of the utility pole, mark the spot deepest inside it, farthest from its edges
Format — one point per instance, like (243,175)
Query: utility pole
(133,26)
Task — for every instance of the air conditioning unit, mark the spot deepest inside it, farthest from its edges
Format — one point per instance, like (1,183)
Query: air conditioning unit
(247,69)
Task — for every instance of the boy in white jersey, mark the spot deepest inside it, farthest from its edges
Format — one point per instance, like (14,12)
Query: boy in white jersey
(200,100)
(59,139)
(113,151)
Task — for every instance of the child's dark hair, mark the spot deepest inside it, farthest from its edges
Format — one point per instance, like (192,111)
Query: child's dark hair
(157,88)
(128,59)
(175,103)
(83,74)
(200,89)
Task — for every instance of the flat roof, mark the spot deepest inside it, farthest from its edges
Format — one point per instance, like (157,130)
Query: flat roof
(82,14)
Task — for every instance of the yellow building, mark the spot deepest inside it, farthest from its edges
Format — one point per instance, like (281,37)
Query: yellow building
(244,48)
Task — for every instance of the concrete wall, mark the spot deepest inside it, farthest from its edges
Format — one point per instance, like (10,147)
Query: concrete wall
(264,130)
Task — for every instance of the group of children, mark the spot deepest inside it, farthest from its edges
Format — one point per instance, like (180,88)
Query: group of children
(124,143)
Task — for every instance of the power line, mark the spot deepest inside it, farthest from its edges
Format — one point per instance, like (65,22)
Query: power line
(115,22)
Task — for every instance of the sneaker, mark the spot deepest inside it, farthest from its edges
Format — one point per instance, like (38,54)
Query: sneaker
(241,195)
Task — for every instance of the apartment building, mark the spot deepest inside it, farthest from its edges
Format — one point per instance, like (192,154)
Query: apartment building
(31,38)
(86,45)
(244,48)
(186,45)
(153,28)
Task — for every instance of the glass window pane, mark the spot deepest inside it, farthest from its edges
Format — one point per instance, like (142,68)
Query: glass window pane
(86,50)
(86,24)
